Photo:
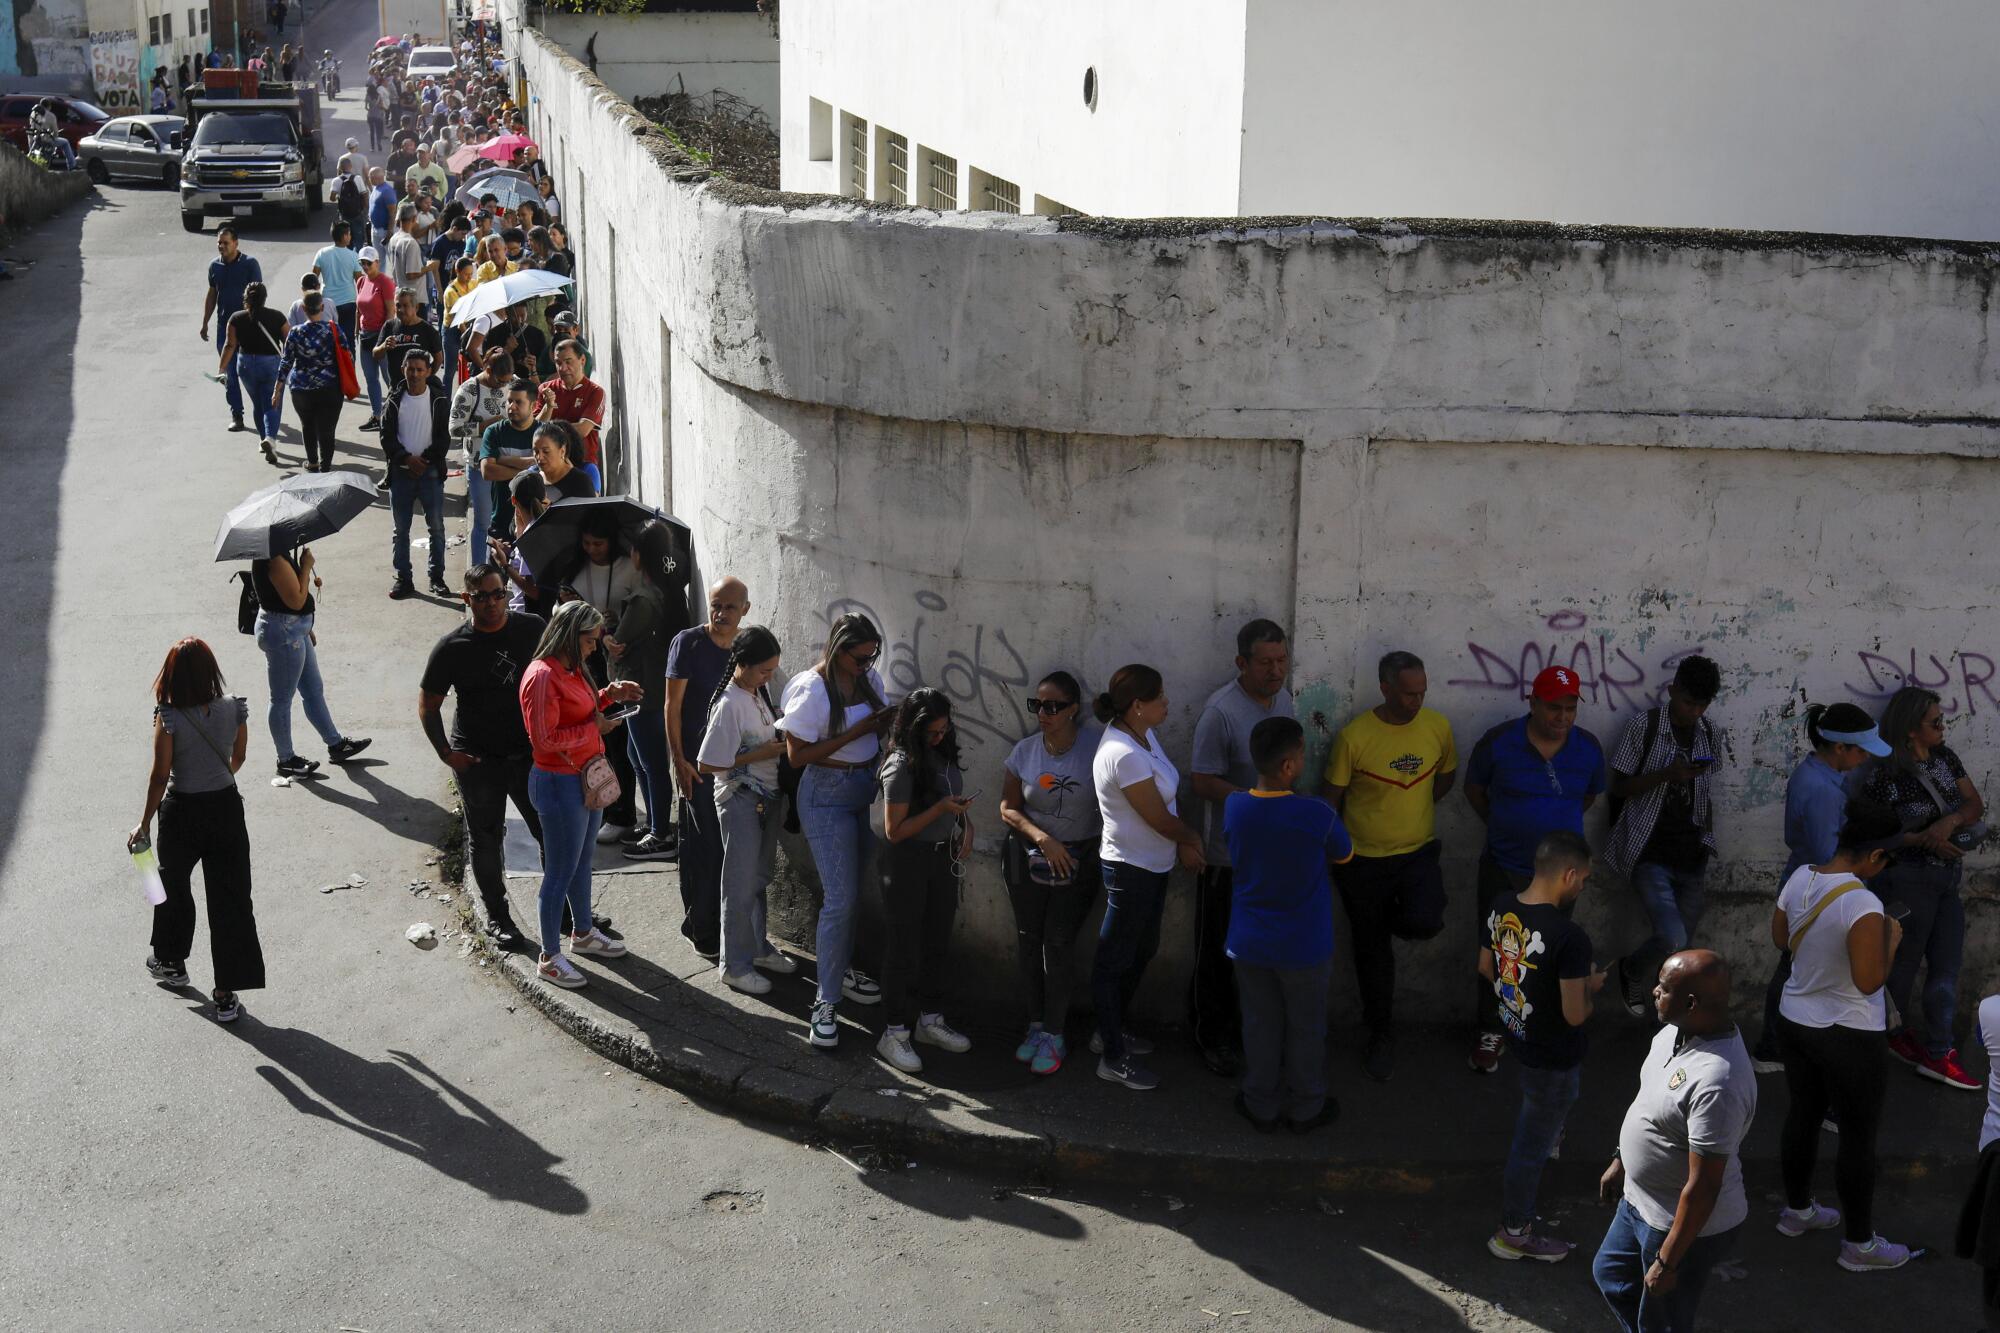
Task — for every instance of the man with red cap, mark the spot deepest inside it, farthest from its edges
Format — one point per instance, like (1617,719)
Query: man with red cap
(1526,779)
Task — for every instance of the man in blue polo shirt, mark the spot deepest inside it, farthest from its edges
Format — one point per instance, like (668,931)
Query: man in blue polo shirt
(1527,778)
(229,273)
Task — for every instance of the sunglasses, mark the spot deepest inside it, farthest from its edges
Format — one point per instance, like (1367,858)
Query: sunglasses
(861,658)
(496,594)
(1049,706)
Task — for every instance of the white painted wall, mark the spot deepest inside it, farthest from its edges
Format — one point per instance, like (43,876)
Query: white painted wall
(999,85)
(647,55)
(1808,115)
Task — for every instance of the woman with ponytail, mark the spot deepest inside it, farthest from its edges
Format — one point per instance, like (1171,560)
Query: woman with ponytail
(740,748)
(652,615)
(832,717)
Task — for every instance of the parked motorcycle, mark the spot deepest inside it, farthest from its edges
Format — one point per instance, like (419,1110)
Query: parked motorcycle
(51,152)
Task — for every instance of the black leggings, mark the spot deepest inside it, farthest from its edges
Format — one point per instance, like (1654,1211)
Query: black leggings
(1047,919)
(206,830)
(1845,1069)
(319,412)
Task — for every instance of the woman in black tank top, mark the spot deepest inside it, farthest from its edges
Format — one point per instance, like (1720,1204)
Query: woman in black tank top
(256,337)
(285,632)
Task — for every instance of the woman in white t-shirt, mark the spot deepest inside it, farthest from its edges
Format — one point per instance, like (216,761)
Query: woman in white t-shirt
(833,716)
(1143,836)
(741,747)
(1831,1032)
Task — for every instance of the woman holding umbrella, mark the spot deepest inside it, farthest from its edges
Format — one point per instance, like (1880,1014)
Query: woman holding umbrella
(284,584)
(309,363)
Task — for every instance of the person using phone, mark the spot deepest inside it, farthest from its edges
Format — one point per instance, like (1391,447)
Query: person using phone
(738,750)
(924,820)
(651,617)
(1663,820)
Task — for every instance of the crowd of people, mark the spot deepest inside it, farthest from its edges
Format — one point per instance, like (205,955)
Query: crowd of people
(602,716)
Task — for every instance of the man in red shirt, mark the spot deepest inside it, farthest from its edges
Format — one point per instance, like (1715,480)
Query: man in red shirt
(573,398)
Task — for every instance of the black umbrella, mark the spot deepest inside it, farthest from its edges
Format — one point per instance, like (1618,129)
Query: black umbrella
(297,510)
(549,545)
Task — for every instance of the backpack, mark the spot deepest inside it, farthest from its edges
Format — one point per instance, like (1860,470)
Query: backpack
(1614,806)
(353,201)
(246,604)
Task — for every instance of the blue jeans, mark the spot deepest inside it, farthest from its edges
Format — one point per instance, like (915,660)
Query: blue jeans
(1620,1269)
(451,342)
(1673,900)
(646,743)
(479,496)
(404,492)
(259,375)
(1934,938)
(749,825)
(833,811)
(569,837)
(232,386)
(293,669)
(1126,942)
(371,373)
(1546,1096)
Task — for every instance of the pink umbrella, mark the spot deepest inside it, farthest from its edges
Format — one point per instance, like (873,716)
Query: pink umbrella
(503,147)
(387,41)
(462,158)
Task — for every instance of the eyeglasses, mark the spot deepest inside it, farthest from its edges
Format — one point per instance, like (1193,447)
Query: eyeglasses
(861,658)
(1049,706)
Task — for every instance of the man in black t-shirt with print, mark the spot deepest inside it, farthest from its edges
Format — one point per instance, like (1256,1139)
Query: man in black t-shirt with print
(481,662)
(1539,964)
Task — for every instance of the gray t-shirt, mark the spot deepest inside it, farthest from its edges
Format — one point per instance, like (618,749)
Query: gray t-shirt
(899,787)
(203,738)
(1222,750)
(1700,1098)
(1056,789)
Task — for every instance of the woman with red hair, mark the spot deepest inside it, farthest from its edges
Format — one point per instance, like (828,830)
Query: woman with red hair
(200,736)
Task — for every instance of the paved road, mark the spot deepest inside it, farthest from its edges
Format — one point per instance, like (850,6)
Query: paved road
(383,1142)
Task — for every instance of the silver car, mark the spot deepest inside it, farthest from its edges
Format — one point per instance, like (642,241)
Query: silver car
(134,148)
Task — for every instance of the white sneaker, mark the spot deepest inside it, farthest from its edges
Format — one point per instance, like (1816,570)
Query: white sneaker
(895,1048)
(752,982)
(611,833)
(775,962)
(1134,1044)
(932,1030)
(596,944)
(1877,1253)
(559,971)
(860,988)
(823,1028)
(1815,1216)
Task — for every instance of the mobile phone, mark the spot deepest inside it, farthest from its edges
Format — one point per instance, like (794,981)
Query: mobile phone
(619,712)
(1703,761)
(1899,910)
(973,795)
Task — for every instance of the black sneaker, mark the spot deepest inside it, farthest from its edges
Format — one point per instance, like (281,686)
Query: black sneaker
(236,424)
(1380,1061)
(504,933)
(439,588)
(297,766)
(599,919)
(346,748)
(167,974)
(1326,1115)
(402,588)
(1631,989)
(637,833)
(1243,1109)
(652,849)
(227,1007)
(1222,1061)
(373,423)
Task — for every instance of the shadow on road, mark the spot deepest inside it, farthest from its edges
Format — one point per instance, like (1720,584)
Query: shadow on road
(416,818)
(404,1104)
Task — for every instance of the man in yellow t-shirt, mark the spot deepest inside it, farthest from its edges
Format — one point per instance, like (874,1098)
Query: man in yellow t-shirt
(1389,768)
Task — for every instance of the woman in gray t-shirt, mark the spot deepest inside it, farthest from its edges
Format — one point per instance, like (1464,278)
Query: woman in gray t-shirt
(200,736)
(1050,808)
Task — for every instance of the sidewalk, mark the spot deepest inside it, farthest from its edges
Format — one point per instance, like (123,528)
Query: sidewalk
(662,1011)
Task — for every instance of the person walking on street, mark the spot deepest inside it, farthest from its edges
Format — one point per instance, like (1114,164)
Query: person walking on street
(375,306)
(926,824)
(1677,1173)
(408,263)
(283,585)
(378,113)
(1142,839)
(416,438)
(409,331)
(252,347)
(308,284)
(1388,770)
(1663,820)
(1220,768)
(1281,932)
(832,719)
(564,717)
(381,207)
(481,663)
(350,201)
(1537,962)
(230,274)
(200,738)
(1526,778)
(477,406)
(1943,818)
(1049,860)
(308,365)
(699,662)
(647,623)
(1841,738)
(738,751)
(1831,1024)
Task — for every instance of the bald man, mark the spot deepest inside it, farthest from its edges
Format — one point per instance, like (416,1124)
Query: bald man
(1676,1174)
(697,661)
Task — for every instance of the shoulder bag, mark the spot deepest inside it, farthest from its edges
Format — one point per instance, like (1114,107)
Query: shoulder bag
(600,783)
(1792,945)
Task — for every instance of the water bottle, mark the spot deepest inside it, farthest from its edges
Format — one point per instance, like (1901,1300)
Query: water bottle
(149,873)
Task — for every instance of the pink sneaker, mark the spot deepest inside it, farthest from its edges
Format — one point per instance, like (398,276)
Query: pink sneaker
(1816,1217)
(1947,1070)
(1509,1245)
(1906,1048)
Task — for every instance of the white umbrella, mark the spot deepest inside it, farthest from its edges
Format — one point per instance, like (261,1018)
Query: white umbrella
(499,293)
(490,180)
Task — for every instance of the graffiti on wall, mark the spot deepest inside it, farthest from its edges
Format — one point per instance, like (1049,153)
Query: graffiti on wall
(114,68)
(1611,677)
(977,666)
(1962,680)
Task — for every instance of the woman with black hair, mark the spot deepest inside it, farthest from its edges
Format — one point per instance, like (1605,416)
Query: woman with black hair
(647,623)
(559,458)
(255,337)
(832,717)
(605,578)
(200,736)
(740,748)
(1943,817)
(1830,1025)
(924,822)
(1050,860)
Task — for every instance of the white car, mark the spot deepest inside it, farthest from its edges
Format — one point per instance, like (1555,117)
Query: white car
(432,62)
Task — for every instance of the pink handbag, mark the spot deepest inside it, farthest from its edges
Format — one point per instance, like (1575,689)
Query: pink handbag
(600,784)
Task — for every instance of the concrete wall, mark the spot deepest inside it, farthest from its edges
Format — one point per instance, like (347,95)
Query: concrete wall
(1791,115)
(1000,89)
(28,194)
(1024,445)
(647,55)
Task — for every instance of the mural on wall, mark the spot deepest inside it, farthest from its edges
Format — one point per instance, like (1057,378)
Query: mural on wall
(51,37)
(114,68)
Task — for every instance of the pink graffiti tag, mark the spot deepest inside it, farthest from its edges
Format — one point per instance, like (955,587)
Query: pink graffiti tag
(1609,676)
(1961,679)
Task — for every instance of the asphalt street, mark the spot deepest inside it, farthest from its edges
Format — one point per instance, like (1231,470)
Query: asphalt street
(389,1140)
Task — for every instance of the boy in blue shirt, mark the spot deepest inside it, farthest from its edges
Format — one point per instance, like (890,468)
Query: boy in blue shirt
(1281,931)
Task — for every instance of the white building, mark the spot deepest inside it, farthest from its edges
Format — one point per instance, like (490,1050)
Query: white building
(1785,115)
